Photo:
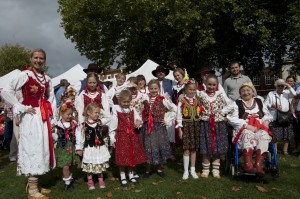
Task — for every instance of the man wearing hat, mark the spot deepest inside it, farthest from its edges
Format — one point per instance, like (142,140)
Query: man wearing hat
(165,84)
(92,67)
(233,83)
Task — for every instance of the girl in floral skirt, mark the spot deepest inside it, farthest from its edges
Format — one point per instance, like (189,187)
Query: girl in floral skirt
(188,112)
(213,129)
(129,150)
(68,133)
(154,132)
(95,153)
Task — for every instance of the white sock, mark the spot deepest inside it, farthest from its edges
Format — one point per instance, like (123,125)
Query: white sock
(193,170)
(122,176)
(68,180)
(215,167)
(130,175)
(186,161)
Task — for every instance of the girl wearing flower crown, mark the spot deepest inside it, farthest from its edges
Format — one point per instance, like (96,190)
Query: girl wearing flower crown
(213,129)
(129,150)
(188,115)
(92,94)
(68,133)
(95,155)
(154,132)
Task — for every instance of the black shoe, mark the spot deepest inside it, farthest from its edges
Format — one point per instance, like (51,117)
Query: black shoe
(146,175)
(161,174)
(67,187)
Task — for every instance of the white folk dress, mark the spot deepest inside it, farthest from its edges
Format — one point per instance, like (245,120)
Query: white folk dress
(34,152)
(248,139)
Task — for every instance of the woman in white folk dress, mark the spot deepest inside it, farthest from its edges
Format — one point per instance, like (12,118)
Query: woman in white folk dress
(36,154)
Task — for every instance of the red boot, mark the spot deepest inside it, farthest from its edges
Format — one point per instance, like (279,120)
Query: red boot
(248,165)
(259,163)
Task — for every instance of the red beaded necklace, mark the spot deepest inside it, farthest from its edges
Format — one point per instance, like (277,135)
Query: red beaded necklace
(41,80)
(180,85)
(90,123)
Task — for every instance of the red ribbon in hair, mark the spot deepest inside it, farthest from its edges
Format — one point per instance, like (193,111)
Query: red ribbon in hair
(253,122)
(46,112)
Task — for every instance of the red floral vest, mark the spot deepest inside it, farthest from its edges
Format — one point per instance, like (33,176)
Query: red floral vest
(158,110)
(87,100)
(33,92)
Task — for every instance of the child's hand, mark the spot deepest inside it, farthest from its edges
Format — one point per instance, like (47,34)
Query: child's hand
(163,122)
(180,133)
(266,123)
(52,127)
(79,152)
(17,121)
(138,123)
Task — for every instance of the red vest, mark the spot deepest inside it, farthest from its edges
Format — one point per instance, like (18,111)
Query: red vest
(33,92)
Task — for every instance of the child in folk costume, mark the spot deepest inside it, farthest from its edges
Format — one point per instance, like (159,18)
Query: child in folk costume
(68,95)
(213,129)
(188,114)
(113,93)
(129,150)
(95,155)
(154,132)
(92,94)
(68,132)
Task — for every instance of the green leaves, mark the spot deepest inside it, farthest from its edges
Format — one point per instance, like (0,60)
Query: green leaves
(194,33)
(13,57)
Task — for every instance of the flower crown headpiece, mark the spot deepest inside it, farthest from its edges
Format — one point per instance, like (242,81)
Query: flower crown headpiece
(69,92)
(190,81)
(65,106)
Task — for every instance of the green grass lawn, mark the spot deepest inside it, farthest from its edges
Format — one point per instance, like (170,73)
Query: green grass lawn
(286,186)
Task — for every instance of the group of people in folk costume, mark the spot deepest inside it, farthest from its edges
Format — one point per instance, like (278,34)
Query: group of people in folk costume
(139,122)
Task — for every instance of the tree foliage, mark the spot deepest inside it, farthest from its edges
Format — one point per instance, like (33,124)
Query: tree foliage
(191,32)
(13,57)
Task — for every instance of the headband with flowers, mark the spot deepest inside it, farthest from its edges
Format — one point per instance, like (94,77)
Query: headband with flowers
(65,106)
(69,92)
(190,81)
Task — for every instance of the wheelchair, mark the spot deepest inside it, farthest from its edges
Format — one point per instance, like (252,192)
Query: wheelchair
(235,168)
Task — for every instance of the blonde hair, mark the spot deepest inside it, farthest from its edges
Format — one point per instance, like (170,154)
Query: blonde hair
(154,81)
(38,50)
(180,70)
(90,108)
(124,94)
(121,75)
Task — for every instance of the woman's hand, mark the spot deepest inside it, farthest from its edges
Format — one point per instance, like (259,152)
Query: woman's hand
(30,111)
(180,133)
(252,128)
(79,152)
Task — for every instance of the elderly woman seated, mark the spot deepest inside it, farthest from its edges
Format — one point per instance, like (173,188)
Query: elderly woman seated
(250,119)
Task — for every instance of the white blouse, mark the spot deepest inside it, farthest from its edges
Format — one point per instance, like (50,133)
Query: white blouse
(114,122)
(282,100)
